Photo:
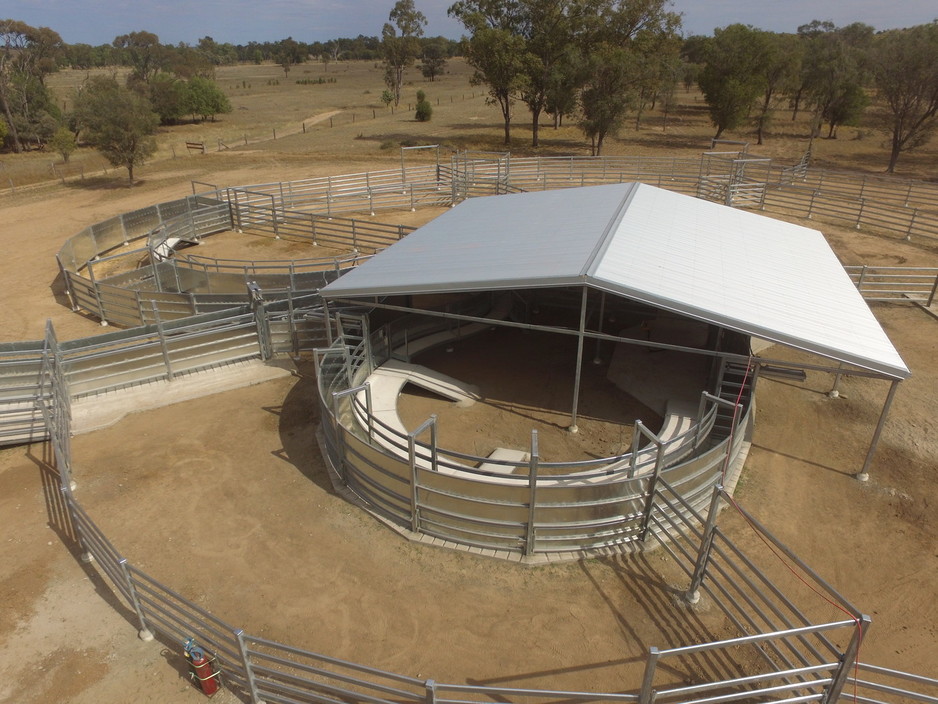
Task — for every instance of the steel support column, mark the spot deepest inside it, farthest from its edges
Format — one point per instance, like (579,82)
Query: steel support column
(864,474)
(579,362)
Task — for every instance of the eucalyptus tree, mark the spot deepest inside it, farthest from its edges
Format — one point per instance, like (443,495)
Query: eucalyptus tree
(629,46)
(144,53)
(27,55)
(730,79)
(549,28)
(117,121)
(496,50)
(834,73)
(780,72)
(400,43)
(904,64)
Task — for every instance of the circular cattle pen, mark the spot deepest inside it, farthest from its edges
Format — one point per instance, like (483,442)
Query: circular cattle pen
(619,414)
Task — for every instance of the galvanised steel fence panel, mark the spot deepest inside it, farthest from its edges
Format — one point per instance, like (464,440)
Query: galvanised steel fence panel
(109,235)
(84,292)
(21,392)
(297,329)
(904,192)
(118,305)
(887,283)
(166,306)
(79,249)
(163,610)
(284,673)
(96,545)
(801,201)
(155,352)
(174,208)
(138,223)
(798,653)
(871,684)
(197,350)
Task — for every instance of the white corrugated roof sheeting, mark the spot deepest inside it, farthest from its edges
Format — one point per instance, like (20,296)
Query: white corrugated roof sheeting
(734,268)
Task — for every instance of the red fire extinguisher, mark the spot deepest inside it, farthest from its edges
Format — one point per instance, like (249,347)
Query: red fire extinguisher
(201,669)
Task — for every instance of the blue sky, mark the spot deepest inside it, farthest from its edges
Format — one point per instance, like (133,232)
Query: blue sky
(240,21)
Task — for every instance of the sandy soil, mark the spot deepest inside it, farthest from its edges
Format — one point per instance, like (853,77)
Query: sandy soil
(226,500)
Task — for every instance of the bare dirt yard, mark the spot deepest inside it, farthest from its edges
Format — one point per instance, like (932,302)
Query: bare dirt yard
(226,500)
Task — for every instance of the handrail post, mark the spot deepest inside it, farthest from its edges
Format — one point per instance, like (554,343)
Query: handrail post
(248,670)
(339,461)
(144,632)
(414,474)
(692,595)
(647,694)
(652,486)
(636,434)
(532,495)
(369,406)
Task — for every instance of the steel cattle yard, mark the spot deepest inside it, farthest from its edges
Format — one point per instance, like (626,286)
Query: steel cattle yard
(197,314)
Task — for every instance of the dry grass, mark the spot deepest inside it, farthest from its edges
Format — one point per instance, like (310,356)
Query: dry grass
(345,121)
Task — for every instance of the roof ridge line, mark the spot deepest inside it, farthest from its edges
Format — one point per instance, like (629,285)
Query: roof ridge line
(603,244)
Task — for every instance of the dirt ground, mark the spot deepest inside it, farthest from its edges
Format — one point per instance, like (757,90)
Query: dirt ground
(225,499)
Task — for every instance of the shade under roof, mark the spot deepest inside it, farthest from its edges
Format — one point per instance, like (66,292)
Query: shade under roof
(733,268)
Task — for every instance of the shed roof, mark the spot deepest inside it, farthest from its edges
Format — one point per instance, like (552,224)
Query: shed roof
(726,266)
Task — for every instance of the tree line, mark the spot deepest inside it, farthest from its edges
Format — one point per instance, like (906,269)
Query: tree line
(602,62)
(848,75)
(207,50)
(598,62)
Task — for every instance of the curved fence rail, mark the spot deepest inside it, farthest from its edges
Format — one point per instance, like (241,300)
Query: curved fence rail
(306,211)
(799,656)
(545,508)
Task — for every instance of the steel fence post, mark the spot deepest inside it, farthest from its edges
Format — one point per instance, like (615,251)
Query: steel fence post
(97,294)
(87,557)
(248,670)
(431,692)
(652,488)
(860,214)
(529,539)
(262,321)
(144,632)
(68,285)
(339,439)
(692,595)
(164,348)
(934,289)
(646,694)
(273,216)
(839,679)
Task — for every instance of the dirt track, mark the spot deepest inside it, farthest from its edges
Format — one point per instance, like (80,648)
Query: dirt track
(279,555)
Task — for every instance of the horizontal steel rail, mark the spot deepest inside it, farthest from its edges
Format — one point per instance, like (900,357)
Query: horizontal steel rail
(896,685)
